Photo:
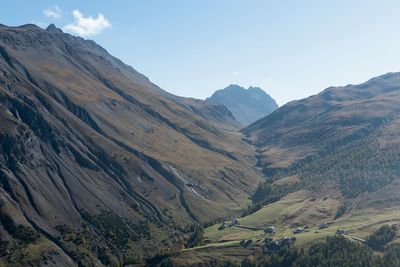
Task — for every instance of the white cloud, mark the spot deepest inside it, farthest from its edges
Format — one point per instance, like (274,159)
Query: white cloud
(54,13)
(87,26)
(235,73)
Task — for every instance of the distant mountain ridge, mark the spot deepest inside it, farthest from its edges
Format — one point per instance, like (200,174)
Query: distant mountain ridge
(246,105)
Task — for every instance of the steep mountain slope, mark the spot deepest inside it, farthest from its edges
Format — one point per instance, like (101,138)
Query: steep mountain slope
(344,139)
(103,164)
(319,124)
(246,105)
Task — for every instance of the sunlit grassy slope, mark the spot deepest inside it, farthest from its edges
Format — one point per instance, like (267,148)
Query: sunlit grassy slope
(302,209)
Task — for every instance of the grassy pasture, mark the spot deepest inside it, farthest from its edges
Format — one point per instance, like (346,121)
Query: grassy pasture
(299,207)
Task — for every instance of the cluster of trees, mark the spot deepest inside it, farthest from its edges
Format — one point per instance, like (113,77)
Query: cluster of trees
(118,230)
(263,189)
(266,193)
(4,247)
(362,167)
(380,238)
(341,211)
(335,251)
(118,241)
(195,235)
(23,233)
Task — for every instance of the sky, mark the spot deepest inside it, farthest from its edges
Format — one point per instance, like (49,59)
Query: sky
(291,49)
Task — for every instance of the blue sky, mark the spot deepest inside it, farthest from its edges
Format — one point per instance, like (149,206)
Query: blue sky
(292,49)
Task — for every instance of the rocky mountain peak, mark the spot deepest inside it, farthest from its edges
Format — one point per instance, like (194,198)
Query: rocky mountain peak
(246,105)
(53,28)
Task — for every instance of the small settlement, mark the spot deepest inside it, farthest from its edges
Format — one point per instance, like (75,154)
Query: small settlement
(227,224)
(269,243)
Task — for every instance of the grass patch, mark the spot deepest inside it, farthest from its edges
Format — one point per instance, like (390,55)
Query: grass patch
(299,206)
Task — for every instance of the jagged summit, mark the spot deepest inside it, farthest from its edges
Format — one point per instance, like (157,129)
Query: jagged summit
(246,105)
(53,28)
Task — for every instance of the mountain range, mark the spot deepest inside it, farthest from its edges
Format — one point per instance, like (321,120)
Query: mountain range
(101,167)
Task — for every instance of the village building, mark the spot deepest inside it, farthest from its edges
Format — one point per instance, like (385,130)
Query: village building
(323,225)
(340,232)
(270,230)
(297,230)
(235,222)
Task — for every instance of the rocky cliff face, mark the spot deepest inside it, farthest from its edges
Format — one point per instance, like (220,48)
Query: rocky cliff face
(246,105)
(100,166)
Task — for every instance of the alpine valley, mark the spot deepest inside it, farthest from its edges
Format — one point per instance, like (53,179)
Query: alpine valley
(101,167)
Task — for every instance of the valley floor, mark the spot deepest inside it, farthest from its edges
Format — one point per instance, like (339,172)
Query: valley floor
(297,209)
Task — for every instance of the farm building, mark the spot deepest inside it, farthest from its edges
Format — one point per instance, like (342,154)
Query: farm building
(270,230)
(297,230)
(340,232)
(323,225)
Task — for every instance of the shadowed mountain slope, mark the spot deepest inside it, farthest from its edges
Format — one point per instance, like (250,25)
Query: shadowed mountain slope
(103,164)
